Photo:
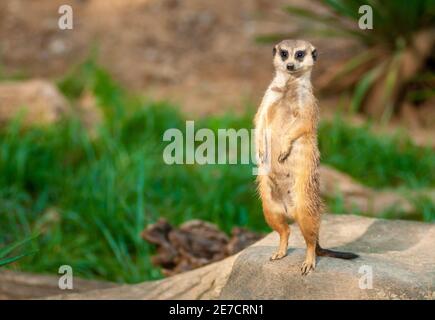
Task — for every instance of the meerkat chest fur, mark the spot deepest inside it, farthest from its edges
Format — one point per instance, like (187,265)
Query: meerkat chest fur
(294,98)
(285,103)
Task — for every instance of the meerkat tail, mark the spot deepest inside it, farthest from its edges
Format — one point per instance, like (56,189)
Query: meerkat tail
(335,254)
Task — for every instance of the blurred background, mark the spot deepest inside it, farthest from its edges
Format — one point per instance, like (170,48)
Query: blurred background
(83,111)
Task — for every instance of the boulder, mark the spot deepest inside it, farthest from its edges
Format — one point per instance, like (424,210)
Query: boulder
(397,261)
(371,202)
(38,101)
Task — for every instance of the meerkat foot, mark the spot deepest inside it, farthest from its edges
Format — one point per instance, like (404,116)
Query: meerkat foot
(307,267)
(278,255)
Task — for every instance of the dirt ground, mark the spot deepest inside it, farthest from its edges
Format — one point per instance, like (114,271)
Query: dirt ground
(201,55)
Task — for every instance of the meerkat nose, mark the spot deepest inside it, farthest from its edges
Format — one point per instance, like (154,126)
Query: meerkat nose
(290,66)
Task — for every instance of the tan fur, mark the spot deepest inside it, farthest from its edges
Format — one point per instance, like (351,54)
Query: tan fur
(290,189)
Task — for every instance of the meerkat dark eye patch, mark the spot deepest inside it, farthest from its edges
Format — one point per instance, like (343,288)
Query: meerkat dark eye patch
(299,55)
(314,54)
(283,54)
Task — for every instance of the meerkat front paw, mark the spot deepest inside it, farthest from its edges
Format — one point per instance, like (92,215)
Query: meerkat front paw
(278,255)
(283,156)
(307,267)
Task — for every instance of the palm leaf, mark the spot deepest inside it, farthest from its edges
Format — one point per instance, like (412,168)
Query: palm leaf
(336,26)
(395,25)
(310,15)
(345,8)
(355,62)
(391,82)
(364,86)
(345,71)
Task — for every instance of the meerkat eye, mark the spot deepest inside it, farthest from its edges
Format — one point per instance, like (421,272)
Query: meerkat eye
(299,55)
(284,54)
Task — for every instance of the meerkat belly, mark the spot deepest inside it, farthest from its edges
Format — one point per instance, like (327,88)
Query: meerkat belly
(300,155)
(281,120)
(298,174)
(303,164)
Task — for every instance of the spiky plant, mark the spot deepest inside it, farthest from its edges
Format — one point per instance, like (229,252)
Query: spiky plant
(392,68)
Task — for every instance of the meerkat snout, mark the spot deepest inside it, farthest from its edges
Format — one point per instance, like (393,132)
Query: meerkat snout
(294,56)
(290,66)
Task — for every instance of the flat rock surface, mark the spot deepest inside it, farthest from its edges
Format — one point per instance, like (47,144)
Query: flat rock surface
(397,261)
(398,254)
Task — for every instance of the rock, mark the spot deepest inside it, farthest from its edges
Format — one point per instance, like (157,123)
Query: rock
(21,285)
(194,244)
(399,254)
(38,100)
(240,239)
(371,202)
(396,252)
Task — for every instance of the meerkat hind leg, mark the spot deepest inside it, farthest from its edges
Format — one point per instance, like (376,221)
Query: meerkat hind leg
(309,226)
(278,222)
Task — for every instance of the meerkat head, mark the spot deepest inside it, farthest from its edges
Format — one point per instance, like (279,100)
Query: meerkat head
(294,57)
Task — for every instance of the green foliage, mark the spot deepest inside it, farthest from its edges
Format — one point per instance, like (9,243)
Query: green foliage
(397,25)
(393,20)
(388,161)
(90,196)
(425,208)
(6,258)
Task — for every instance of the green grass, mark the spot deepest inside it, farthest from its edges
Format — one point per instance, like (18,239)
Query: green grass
(376,161)
(7,255)
(89,198)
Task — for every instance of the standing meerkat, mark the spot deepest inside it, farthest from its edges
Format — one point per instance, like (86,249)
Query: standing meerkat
(287,152)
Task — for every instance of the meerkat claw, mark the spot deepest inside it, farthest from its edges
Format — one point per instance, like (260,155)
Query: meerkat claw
(283,156)
(307,267)
(277,255)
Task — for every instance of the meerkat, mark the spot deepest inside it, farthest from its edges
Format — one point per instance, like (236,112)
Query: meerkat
(286,148)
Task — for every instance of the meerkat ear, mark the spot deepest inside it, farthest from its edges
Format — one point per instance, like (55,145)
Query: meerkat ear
(314,54)
(274,51)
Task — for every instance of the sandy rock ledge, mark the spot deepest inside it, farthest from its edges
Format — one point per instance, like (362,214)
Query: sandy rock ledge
(399,253)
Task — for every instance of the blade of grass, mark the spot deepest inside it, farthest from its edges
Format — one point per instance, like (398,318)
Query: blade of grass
(8,249)
(9,260)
